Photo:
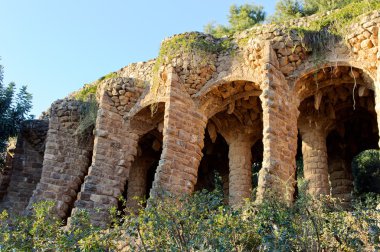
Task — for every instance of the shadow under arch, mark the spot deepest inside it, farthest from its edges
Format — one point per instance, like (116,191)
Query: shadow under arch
(149,127)
(354,132)
(234,126)
(223,93)
(225,80)
(144,119)
(333,100)
(325,74)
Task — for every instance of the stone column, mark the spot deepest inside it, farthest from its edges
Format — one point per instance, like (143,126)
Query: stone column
(26,173)
(183,134)
(137,181)
(314,152)
(114,150)
(277,175)
(240,176)
(340,177)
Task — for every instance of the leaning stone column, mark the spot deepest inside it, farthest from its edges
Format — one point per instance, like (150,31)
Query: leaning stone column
(240,177)
(183,135)
(66,158)
(114,150)
(314,153)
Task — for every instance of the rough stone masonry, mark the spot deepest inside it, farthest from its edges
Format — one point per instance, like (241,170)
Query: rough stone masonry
(174,123)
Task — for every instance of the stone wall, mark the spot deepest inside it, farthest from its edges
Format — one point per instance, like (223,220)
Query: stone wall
(66,159)
(141,71)
(27,165)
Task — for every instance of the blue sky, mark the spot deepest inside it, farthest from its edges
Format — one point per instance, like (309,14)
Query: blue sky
(54,47)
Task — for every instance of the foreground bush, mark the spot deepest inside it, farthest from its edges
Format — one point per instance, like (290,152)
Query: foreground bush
(365,168)
(202,223)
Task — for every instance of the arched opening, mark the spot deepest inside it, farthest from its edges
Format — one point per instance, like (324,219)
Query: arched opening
(143,168)
(145,163)
(337,121)
(356,131)
(213,169)
(233,140)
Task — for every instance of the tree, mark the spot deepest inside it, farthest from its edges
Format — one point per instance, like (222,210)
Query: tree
(314,6)
(14,108)
(245,16)
(288,9)
(240,18)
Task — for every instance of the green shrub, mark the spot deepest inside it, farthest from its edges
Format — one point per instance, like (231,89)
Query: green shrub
(88,91)
(201,222)
(240,18)
(87,120)
(366,171)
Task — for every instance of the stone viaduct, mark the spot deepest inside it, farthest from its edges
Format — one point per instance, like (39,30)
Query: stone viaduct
(174,122)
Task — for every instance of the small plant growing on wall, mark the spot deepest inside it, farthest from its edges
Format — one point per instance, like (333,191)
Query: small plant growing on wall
(87,120)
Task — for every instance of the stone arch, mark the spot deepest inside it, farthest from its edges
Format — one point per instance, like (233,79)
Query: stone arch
(231,68)
(234,113)
(328,98)
(146,102)
(298,85)
(115,148)
(246,75)
(210,103)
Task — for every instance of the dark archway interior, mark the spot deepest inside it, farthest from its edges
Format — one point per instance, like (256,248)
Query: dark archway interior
(340,100)
(350,137)
(238,113)
(143,168)
(151,148)
(213,169)
(299,165)
(257,161)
